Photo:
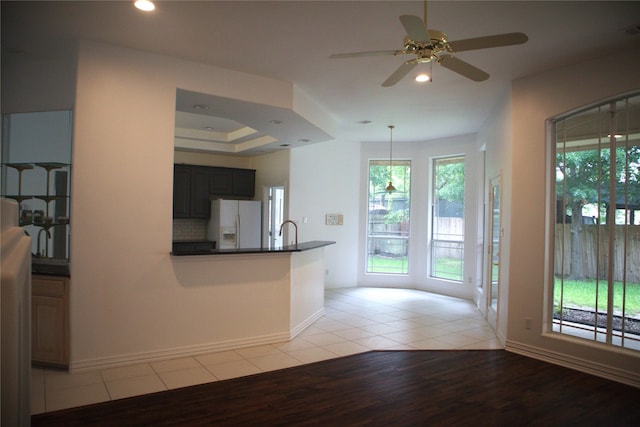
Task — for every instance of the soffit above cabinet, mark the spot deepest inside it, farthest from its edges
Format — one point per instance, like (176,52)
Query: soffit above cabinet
(209,123)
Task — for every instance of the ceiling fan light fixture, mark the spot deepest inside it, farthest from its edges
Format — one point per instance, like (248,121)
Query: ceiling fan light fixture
(427,72)
(144,5)
(430,46)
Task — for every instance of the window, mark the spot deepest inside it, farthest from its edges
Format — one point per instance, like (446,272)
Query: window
(596,245)
(447,219)
(388,217)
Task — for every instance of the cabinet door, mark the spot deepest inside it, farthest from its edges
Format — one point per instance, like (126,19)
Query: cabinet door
(47,340)
(200,204)
(244,182)
(49,321)
(181,191)
(221,182)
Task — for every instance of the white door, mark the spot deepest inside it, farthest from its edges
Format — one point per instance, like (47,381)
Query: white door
(276,215)
(493,243)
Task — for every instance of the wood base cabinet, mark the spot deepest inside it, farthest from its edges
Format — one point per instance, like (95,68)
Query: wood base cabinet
(50,321)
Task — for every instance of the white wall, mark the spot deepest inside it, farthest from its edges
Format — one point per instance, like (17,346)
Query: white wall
(307,289)
(536,99)
(211,159)
(325,178)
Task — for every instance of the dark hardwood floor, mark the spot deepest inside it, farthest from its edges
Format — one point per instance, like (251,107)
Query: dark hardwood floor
(382,388)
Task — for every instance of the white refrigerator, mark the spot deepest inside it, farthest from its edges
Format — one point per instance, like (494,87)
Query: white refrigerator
(235,224)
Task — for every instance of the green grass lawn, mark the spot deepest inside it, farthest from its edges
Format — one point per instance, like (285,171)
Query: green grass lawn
(381,264)
(446,268)
(582,294)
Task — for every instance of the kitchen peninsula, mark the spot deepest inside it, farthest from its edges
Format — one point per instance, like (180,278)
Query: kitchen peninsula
(277,292)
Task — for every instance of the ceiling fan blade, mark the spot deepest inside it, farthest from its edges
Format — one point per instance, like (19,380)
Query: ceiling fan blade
(398,74)
(415,28)
(497,40)
(368,53)
(463,68)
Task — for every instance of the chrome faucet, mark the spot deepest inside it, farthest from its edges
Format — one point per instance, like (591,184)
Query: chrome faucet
(47,236)
(294,225)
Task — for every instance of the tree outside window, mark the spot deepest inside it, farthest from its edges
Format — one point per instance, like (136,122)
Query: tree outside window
(388,217)
(596,282)
(447,225)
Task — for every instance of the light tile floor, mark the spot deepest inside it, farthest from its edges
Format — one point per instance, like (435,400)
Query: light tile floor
(356,320)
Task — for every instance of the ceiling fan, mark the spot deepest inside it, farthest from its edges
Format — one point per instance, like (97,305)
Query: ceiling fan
(432,46)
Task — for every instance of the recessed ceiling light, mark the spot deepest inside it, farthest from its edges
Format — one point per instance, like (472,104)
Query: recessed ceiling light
(285,145)
(364,122)
(145,5)
(209,128)
(201,107)
(304,140)
(275,122)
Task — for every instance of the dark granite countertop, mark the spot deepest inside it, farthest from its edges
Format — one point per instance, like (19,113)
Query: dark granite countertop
(50,267)
(300,247)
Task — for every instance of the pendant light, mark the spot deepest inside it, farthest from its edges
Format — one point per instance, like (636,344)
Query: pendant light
(390,188)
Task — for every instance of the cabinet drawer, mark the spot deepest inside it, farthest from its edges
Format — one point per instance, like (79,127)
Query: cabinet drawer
(48,286)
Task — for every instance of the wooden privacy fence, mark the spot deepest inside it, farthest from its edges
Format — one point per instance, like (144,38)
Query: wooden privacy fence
(595,251)
(391,238)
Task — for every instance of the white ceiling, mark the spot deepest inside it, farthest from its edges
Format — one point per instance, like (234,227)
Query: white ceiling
(292,40)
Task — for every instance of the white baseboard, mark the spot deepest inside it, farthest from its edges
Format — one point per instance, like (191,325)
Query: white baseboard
(619,375)
(154,356)
(306,323)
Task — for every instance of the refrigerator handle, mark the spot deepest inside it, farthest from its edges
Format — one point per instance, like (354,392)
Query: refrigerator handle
(238,231)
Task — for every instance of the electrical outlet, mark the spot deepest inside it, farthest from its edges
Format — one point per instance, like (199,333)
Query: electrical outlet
(528,323)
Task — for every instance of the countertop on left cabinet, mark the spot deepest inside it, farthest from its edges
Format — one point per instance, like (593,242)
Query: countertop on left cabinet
(50,266)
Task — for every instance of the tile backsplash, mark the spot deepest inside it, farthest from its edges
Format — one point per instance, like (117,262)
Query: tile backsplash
(189,229)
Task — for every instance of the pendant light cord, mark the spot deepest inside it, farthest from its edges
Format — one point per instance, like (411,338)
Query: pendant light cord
(390,149)
(390,188)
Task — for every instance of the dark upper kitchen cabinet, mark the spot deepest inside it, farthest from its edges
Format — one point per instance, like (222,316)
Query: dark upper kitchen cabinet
(244,182)
(200,202)
(195,186)
(190,191)
(181,191)
(232,182)
(221,183)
